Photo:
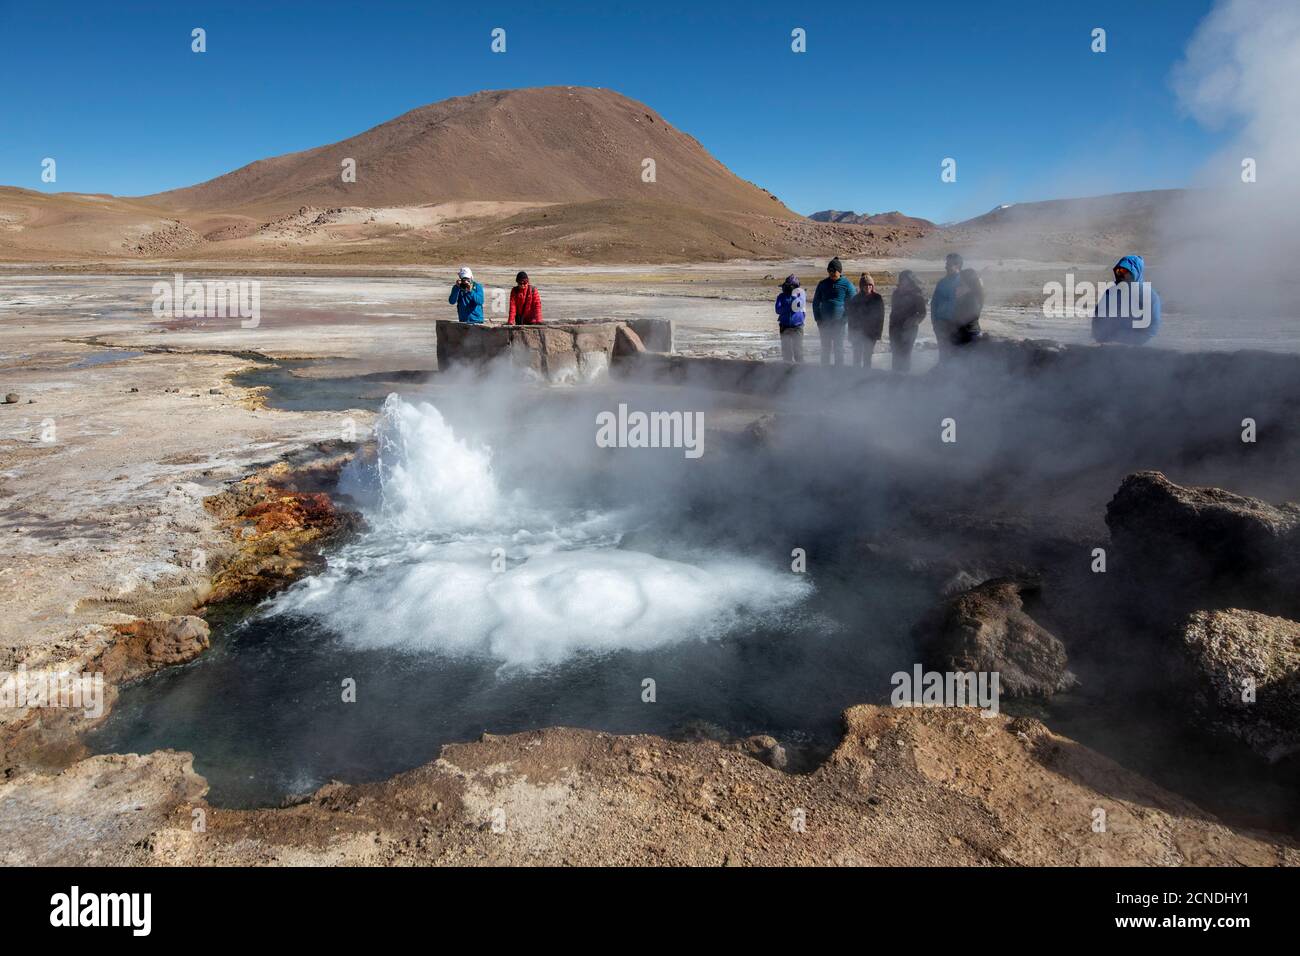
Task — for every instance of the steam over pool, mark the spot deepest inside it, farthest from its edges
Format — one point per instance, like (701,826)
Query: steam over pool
(454,565)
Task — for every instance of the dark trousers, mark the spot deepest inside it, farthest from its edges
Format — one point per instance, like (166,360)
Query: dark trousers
(900,348)
(831,332)
(863,347)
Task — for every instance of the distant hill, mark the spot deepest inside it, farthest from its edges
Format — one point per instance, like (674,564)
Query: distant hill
(551,144)
(894,218)
(1094,227)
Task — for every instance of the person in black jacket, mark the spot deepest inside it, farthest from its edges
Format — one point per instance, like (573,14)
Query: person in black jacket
(866,317)
(967,307)
(906,312)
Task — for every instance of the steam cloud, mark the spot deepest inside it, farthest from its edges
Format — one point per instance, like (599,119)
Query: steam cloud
(1241,71)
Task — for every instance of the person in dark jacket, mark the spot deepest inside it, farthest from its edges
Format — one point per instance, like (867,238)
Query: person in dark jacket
(906,310)
(966,308)
(942,301)
(1129,311)
(791,308)
(525,303)
(829,302)
(866,320)
(467,297)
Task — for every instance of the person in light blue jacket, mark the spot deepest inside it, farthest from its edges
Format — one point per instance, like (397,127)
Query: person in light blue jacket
(942,302)
(467,297)
(1129,311)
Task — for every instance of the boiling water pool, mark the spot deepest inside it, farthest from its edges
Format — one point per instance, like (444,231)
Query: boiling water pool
(468,607)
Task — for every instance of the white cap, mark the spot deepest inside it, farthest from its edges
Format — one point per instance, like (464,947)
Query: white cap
(464,273)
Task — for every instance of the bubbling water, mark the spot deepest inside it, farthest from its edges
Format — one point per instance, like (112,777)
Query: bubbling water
(453,565)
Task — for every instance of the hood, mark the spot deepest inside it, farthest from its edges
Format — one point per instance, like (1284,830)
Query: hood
(1133,264)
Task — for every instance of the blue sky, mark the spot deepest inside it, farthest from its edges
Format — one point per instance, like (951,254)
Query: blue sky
(862,120)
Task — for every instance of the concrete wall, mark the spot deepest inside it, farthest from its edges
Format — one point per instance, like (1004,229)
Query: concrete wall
(557,351)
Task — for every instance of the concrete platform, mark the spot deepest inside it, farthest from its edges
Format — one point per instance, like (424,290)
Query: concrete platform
(558,352)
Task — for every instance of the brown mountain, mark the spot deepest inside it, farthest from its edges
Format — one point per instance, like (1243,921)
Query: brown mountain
(543,175)
(553,144)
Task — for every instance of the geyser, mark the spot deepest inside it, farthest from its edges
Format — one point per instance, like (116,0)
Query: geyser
(453,565)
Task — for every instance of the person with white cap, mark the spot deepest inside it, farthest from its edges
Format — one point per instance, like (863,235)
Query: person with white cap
(467,297)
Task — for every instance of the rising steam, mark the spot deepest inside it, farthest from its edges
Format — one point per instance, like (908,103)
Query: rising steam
(1230,245)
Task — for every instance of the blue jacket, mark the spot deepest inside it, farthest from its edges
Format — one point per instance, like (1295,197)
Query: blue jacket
(791,309)
(468,303)
(943,300)
(831,297)
(1124,312)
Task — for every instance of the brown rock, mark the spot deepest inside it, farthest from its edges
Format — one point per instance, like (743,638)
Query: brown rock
(146,645)
(1246,673)
(765,748)
(986,629)
(1184,549)
(627,342)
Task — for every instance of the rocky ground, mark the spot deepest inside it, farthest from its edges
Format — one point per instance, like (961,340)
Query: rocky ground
(905,787)
(137,487)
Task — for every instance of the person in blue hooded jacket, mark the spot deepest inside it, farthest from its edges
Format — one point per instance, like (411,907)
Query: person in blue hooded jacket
(791,304)
(1129,311)
(943,300)
(467,297)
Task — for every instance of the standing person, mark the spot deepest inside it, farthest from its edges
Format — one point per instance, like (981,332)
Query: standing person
(942,301)
(829,301)
(1129,311)
(467,297)
(525,302)
(866,320)
(791,307)
(967,307)
(906,310)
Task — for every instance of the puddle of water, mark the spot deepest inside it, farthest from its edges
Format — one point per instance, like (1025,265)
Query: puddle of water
(105,357)
(290,392)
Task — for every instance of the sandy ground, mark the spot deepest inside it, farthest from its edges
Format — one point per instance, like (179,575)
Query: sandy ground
(124,423)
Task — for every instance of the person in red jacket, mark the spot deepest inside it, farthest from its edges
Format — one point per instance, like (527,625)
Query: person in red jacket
(525,303)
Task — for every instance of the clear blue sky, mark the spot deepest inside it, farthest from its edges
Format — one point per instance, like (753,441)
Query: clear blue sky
(862,120)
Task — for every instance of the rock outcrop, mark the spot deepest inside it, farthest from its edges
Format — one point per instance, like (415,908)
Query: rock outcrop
(1186,549)
(985,629)
(145,646)
(277,533)
(1245,676)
